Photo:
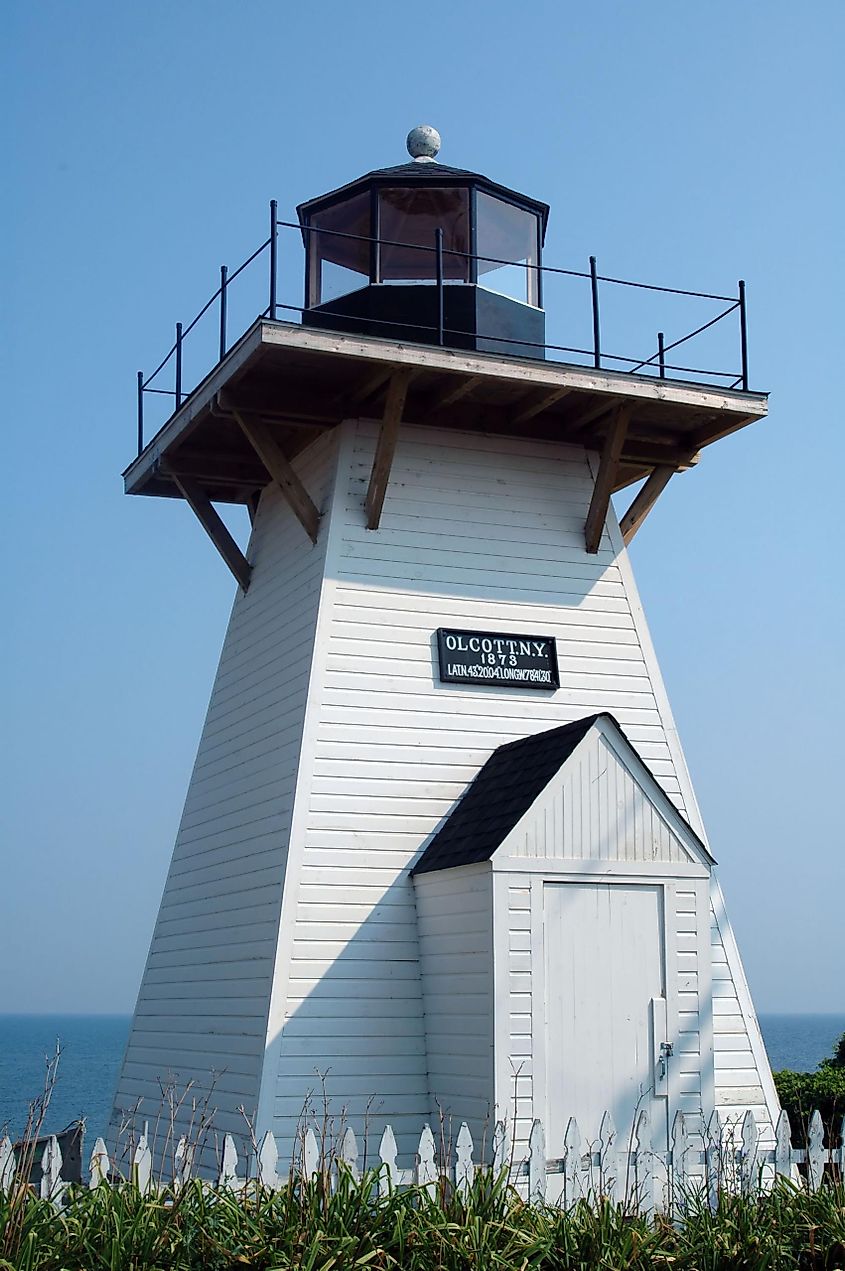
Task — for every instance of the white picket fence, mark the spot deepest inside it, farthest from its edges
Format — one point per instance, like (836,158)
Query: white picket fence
(636,1174)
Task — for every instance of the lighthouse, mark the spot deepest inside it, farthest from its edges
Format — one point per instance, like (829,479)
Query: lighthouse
(440,849)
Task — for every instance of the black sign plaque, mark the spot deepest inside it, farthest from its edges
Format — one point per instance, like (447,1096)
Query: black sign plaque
(494,657)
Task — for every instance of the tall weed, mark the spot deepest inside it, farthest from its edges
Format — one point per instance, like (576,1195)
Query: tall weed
(311,1226)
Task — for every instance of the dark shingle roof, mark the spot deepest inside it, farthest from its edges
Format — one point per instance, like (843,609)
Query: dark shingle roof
(503,791)
(423,171)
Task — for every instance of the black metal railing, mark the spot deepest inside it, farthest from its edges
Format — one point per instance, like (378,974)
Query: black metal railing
(596,355)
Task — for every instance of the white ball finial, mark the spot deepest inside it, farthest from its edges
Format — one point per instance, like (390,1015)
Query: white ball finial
(423,143)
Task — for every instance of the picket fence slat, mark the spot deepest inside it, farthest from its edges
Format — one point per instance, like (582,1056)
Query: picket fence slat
(464,1168)
(349,1152)
(748,1158)
(644,1164)
(681,1174)
(571,1162)
(728,1156)
(228,1176)
(310,1155)
(388,1151)
(184,1161)
(268,1161)
(7,1163)
(51,1170)
(426,1166)
(142,1162)
(608,1159)
(783,1147)
(815,1151)
(537,1162)
(99,1166)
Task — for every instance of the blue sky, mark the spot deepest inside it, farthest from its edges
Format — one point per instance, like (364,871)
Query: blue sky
(685,144)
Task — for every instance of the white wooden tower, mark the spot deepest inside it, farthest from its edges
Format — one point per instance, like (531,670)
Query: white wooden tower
(440,841)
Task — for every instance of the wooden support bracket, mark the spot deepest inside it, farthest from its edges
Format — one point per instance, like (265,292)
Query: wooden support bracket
(368,388)
(591,415)
(210,520)
(536,405)
(455,394)
(605,478)
(645,500)
(264,406)
(649,457)
(279,467)
(386,445)
(252,501)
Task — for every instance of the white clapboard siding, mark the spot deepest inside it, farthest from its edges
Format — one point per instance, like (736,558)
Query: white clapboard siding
(457,974)
(203,1001)
(692,1062)
(292,949)
(740,1083)
(381,712)
(480,532)
(596,809)
(522,1016)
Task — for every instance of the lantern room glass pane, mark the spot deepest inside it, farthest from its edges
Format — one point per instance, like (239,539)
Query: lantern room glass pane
(507,233)
(411,216)
(339,265)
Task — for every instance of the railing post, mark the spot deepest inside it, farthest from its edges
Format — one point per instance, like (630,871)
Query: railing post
(594,286)
(224,282)
(743,334)
(661,356)
(140,411)
(438,245)
(178,365)
(273,248)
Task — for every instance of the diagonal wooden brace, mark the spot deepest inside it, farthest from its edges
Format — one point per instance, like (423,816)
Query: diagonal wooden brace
(535,405)
(606,477)
(645,500)
(457,392)
(349,402)
(279,467)
(210,520)
(386,445)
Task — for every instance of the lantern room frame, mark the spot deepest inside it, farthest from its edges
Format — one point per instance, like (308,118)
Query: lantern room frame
(423,223)
(416,176)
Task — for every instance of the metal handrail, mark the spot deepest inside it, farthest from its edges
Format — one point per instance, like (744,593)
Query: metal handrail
(597,353)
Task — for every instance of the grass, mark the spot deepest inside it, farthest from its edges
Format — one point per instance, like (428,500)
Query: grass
(306,1225)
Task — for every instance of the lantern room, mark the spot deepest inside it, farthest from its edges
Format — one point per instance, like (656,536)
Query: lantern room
(428,253)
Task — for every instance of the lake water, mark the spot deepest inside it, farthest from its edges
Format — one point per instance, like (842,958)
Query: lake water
(92,1048)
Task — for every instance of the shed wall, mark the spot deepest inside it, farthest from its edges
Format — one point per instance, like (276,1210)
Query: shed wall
(455,924)
(520,1072)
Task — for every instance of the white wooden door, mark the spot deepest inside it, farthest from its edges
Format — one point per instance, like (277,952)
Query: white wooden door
(605,978)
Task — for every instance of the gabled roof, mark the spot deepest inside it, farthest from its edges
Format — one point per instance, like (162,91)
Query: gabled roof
(509,783)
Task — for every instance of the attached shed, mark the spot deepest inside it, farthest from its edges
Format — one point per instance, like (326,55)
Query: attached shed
(564,921)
